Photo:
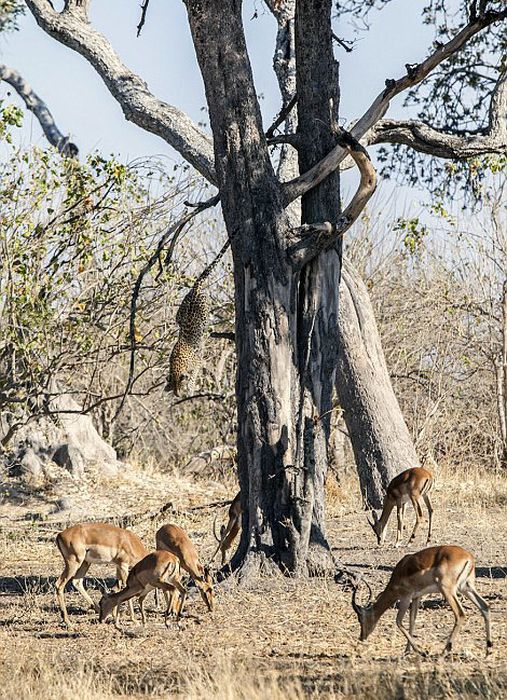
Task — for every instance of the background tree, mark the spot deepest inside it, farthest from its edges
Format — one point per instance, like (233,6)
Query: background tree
(286,279)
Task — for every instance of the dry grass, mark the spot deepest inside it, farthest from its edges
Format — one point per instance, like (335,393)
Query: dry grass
(281,638)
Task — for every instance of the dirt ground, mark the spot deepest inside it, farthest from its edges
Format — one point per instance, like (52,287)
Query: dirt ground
(279,638)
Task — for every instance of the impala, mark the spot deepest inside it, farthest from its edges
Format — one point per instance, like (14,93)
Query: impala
(157,570)
(228,532)
(88,543)
(175,540)
(447,570)
(411,485)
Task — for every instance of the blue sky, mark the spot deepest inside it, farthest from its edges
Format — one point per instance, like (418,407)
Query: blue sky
(164,57)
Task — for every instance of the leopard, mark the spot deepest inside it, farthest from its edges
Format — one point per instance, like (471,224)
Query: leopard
(192,319)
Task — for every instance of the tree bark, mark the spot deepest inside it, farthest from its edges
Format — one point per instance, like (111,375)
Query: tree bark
(286,311)
(318,102)
(382,444)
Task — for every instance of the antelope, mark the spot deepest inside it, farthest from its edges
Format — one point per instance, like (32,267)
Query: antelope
(411,485)
(228,532)
(448,570)
(157,570)
(175,540)
(88,543)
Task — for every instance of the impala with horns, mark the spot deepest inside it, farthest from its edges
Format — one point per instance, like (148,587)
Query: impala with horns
(175,540)
(448,570)
(229,532)
(88,543)
(158,570)
(411,485)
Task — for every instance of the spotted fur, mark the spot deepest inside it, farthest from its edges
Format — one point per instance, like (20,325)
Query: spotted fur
(192,318)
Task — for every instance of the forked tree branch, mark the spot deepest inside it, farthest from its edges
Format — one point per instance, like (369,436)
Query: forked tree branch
(415,74)
(39,108)
(316,237)
(437,142)
(72,28)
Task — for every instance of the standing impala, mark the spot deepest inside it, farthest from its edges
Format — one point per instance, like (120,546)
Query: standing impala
(157,570)
(447,570)
(228,532)
(173,539)
(411,485)
(88,543)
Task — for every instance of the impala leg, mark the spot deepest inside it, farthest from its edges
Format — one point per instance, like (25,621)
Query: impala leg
(123,573)
(418,516)
(404,604)
(430,515)
(171,603)
(459,615)
(78,584)
(403,516)
(71,568)
(142,598)
(399,529)
(477,600)
(414,607)
(171,592)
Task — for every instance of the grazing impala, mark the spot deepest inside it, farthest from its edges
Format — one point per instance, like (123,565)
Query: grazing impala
(228,532)
(158,570)
(447,570)
(88,543)
(411,485)
(173,539)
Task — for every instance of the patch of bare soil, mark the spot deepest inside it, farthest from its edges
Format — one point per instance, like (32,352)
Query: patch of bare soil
(279,638)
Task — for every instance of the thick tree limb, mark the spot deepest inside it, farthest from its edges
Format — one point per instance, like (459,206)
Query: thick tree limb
(39,108)
(424,138)
(318,236)
(415,74)
(139,105)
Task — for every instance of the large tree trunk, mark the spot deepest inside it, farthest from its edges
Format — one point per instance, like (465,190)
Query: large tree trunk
(379,435)
(285,317)
(318,101)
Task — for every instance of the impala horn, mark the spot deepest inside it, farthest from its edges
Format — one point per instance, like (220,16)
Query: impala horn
(358,608)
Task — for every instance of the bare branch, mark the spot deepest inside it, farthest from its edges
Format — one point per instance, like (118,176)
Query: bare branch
(144,10)
(319,236)
(139,105)
(292,139)
(424,138)
(282,116)
(342,43)
(415,74)
(39,108)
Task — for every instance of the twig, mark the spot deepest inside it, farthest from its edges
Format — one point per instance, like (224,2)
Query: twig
(211,397)
(342,43)
(144,10)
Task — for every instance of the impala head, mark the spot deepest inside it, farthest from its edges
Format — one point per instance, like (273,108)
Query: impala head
(364,613)
(376,527)
(105,607)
